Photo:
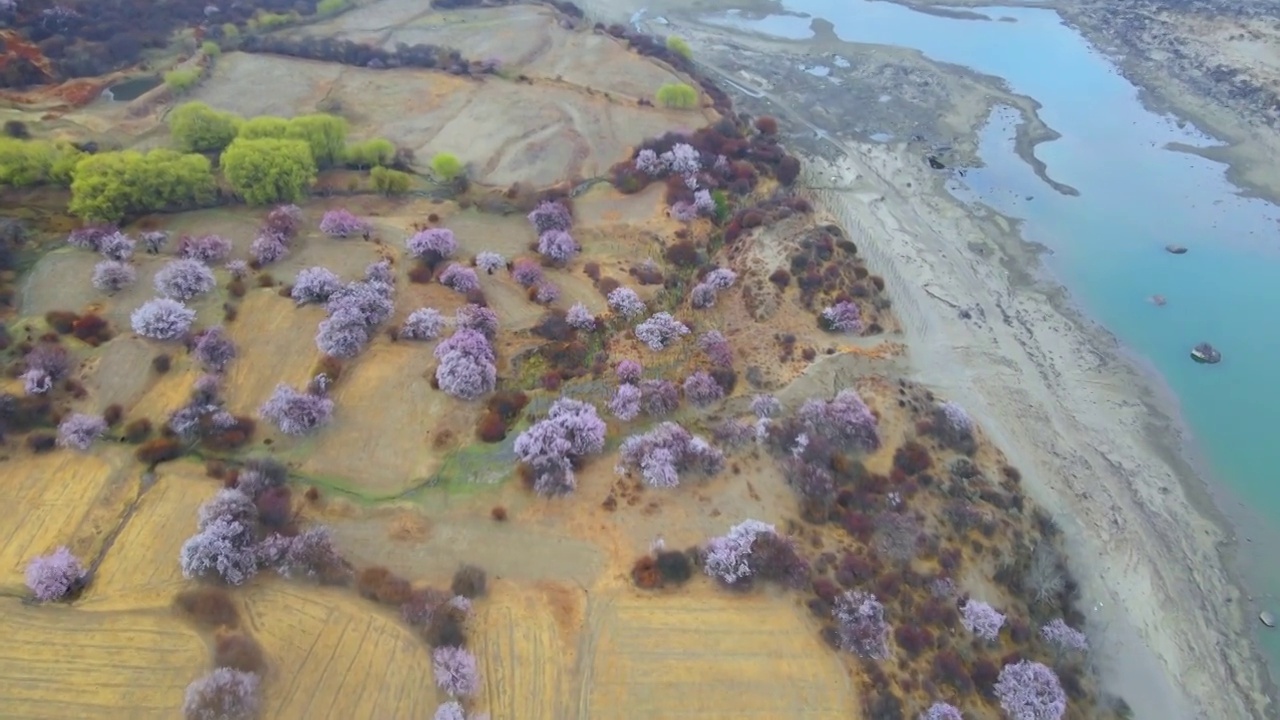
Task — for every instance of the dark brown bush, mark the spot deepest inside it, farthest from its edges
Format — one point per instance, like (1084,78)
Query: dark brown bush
(446,628)
(607,285)
(238,651)
(491,428)
(878,282)
(554,326)
(275,506)
(208,607)
(912,458)
(682,254)
(161,363)
(230,312)
(767,125)
(645,574)
(265,280)
(135,431)
(781,278)
(498,513)
(154,452)
(420,274)
(330,367)
(61,320)
(592,270)
(370,579)
(647,275)
(394,591)
(469,582)
(112,415)
(236,288)
(788,170)
(40,442)
(675,566)
(507,403)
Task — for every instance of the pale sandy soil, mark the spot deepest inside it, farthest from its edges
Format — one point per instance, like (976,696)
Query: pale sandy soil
(1066,409)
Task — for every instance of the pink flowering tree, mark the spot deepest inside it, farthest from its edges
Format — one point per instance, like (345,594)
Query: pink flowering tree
(843,317)
(111,276)
(626,303)
(625,403)
(432,245)
(658,397)
(154,241)
(455,671)
(341,223)
(422,324)
(45,364)
(661,454)
(526,272)
(184,279)
(296,413)
(116,246)
(224,694)
(466,370)
(550,216)
(716,347)
(490,262)
(479,318)
(1028,690)
(941,711)
(550,447)
(701,389)
(580,318)
(557,246)
(861,627)
(660,331)
(845,418)
(305,555)
(981,619)
(213,349)
(224,547)
(315,285)
(953,424)
(754,550)
(766,406)
(546,293)
(162,319)
(207,249)
(628,371)
(354,311)
(266,249)
(460,278)
(79,431)
(90,237)
(55,576)
(1063,637)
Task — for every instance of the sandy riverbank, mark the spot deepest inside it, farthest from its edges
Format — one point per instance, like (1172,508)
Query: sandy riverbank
(1165,616)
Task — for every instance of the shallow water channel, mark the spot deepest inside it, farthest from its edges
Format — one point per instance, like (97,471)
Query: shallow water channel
(1136,197)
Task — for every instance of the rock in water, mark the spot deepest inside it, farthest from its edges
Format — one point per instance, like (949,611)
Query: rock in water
(1206,353)
(1267,619)
(1176,249)
(1158,300)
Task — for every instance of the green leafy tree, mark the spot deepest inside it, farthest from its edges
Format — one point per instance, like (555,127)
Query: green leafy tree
(677,95)
(182,80)
(196,127)
(269,170)
(390,182)
(264,126)
(328,7)
(326,134)
(211,48)
(370,153)
(24,163)
(680,47)
(110,186)
(446,166)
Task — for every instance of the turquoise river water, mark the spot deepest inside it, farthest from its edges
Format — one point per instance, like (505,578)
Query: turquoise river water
(1136,196)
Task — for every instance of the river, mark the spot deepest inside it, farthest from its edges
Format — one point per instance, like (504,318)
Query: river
(1107,244)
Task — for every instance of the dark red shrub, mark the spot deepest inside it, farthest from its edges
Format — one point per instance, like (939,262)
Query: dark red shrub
(913,639)
(238,651)
(208,607)
(767,125)
(912,457)
(154,452)
(781,278)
